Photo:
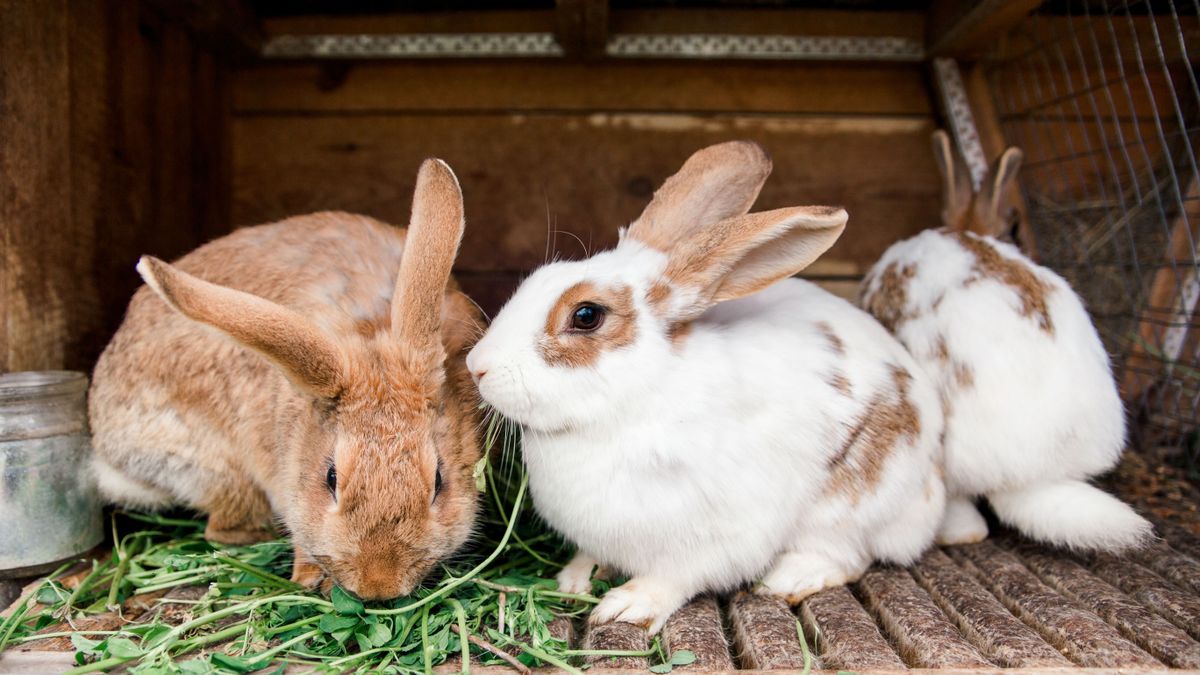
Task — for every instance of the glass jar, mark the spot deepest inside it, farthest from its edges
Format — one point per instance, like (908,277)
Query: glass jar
(50,510)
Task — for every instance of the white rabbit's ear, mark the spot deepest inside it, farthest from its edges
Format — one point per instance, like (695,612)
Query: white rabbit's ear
(992,210)
(956,182)
(744,254)
(715,183)
(309,357)
(434,233)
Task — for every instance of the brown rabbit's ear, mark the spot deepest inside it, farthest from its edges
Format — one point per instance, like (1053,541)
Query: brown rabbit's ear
(744,254)
(715,183)
(992,210)
(956,182)
(434,233)
(309,358)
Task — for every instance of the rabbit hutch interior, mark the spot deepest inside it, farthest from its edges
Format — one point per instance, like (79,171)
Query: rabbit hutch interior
(150,127)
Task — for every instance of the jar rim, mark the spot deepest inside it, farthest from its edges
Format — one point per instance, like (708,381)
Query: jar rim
(34,383)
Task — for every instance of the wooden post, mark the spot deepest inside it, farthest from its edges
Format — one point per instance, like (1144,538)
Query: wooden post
(35,184)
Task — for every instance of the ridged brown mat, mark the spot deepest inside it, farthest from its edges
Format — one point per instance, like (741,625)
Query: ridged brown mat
(1005,603)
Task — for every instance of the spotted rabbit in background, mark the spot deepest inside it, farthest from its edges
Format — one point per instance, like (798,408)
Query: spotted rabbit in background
(696,420)
(321,384)
(1031,407)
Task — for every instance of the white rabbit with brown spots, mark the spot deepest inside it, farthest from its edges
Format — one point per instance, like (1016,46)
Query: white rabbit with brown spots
(1031,408)
(310,373)
(695,420)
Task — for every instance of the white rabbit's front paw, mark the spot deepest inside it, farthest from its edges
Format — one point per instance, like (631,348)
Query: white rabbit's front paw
(961,523)
(576,577)
(796,576)
(643,602)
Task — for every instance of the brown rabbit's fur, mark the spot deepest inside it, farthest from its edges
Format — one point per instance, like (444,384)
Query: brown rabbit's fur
(182,414)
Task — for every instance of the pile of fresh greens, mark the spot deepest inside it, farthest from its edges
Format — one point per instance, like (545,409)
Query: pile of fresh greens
(495,606)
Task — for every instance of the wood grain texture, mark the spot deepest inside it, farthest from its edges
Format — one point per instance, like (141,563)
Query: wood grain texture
(611,86)
(764,633)
(982,619)
(1170,602)
(1137,623)
(523,175)
(616,636)
(1081,635)
(1181,570)
(697,627)
(923,635)
(36,283)
(846,636)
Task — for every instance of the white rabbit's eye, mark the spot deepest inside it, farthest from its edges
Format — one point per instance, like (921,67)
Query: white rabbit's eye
(331,480)
(587,317)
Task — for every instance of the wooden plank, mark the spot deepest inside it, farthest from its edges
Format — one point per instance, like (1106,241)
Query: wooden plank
(846,636)
(616,636)
(769,21)
(495,21)
(211,151)
(229,27)
(522,175)
(37,284)
(1082,636)
(173,143)
(1179,607)
(1137,623)
(921,633)
(961,29)
(91,128)
(1179,569)
(982,619)
(697,627)
(479,86)
(764,633)
(581,27)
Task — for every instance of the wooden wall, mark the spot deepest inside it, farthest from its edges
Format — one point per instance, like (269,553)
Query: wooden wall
(112,129)
(579,147)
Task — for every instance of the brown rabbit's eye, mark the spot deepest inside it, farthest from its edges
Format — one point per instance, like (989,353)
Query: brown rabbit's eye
(587,317)
(331,479)
(437,483)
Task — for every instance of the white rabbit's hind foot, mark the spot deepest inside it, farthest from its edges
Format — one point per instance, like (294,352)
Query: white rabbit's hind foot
(961,524)
(795,576)
(643,601)
(576,577)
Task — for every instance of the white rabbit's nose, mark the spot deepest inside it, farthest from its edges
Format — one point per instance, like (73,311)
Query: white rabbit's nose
(477,375)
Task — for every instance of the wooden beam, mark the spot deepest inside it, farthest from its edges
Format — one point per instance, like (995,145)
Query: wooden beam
(226,27)
(961,29)
(582,27)
(36,238)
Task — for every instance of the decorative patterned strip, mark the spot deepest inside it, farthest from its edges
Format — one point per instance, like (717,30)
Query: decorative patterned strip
(411,45)
(786,47)
(962,122)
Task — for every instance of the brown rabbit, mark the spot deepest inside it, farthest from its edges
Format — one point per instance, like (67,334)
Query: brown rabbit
(314,377)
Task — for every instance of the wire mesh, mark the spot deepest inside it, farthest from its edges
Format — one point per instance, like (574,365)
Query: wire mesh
(1102,96)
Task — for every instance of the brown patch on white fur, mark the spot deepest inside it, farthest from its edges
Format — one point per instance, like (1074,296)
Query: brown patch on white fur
(678,333)
(836,345)
(838,380)
(1030,290)
(889,419)
(563,346)
(888,304)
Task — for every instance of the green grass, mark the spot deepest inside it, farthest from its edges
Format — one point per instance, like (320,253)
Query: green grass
(253,618)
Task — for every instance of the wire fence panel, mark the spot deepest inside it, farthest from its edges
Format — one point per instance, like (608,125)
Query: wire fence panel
(1102,96)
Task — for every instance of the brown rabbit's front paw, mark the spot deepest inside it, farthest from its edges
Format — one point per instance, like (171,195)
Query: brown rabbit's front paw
(307,573)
